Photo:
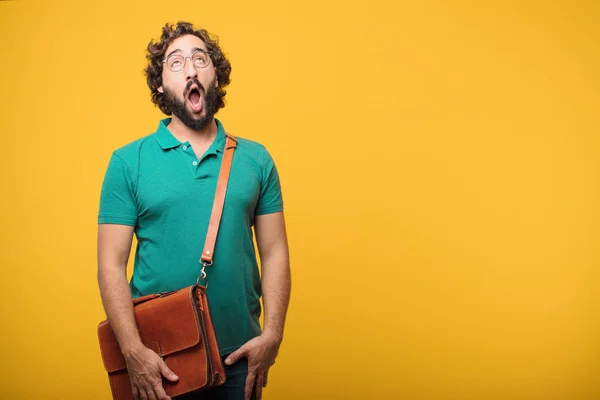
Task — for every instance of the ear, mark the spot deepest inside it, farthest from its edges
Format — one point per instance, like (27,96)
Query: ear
(160,89)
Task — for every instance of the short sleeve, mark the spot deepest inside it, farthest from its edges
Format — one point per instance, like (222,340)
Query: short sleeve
(270,199)
(117,200)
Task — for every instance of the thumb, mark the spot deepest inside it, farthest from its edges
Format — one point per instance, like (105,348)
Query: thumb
(236,355)
(167,373)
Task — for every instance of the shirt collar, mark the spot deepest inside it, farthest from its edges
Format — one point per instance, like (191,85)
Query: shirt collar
(166,140)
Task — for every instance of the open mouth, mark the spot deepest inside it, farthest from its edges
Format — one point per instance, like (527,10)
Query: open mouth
(195,99)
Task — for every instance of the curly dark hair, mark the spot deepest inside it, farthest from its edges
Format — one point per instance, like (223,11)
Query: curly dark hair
(156,54)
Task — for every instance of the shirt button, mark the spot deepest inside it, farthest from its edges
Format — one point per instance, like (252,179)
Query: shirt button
(195,163)
(185,147)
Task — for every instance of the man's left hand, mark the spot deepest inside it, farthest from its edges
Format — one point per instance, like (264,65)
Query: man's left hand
(261,353)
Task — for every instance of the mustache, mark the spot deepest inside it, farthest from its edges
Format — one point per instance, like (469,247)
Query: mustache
(190,83)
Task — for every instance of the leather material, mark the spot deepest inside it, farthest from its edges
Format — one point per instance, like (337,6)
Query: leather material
(215,218)
(176,325)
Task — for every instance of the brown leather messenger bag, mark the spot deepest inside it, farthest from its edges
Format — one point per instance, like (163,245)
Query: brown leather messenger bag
(177,324)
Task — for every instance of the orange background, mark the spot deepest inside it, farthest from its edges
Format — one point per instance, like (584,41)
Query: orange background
(440,168)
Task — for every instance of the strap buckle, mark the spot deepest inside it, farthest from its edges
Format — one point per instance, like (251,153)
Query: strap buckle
(203,270)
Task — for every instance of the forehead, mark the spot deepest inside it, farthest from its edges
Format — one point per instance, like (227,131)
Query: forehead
(185,44)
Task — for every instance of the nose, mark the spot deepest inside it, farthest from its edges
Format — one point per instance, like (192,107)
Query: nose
(189,69)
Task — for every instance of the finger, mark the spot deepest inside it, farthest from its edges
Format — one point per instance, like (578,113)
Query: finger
(266,378)
(160,392)
(135,393)
(151,394)
(167,373)
(249,385)
(143,393)
(236,355)
(258,386)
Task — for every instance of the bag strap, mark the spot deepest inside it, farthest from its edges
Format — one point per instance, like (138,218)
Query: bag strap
(215,219)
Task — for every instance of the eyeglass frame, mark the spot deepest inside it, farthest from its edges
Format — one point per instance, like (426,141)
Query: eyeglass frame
(208,53)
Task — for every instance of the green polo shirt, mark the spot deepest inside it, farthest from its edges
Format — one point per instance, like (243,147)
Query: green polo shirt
(158,185)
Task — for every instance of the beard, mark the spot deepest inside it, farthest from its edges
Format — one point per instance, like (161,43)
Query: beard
(178,108)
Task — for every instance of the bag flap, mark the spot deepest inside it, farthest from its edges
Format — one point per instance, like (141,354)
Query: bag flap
(167,324)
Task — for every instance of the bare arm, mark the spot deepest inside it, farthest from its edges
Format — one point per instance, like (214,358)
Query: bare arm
(271,238)
(114,245)
(144,366)
(261,351)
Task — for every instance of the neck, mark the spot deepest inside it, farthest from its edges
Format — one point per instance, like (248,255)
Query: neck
(185,134)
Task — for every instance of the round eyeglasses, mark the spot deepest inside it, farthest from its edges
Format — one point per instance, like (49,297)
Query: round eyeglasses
(200,59)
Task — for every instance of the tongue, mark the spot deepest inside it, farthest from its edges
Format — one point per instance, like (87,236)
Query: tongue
(195,101)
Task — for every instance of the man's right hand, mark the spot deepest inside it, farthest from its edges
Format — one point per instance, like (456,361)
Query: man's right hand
(146,370)
(145,367)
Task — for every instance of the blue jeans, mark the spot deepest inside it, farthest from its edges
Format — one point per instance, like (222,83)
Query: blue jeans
(232,389)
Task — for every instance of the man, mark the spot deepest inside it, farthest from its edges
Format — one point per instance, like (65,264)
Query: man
(161,187)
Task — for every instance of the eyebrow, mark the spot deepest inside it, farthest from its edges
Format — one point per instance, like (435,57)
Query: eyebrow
(195,49)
